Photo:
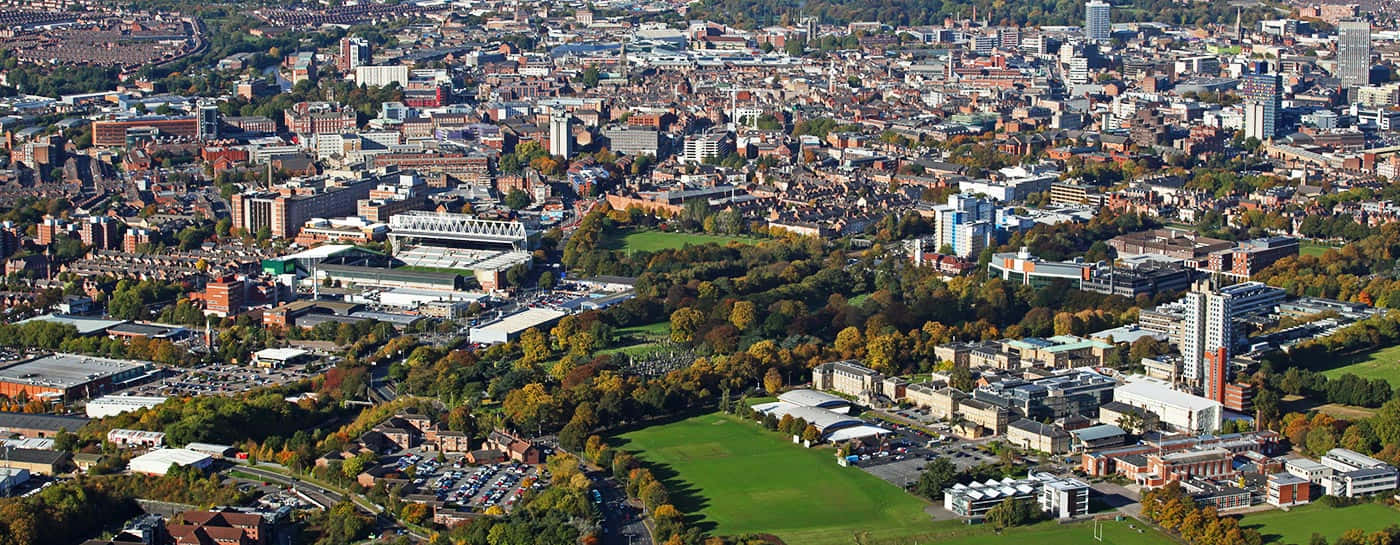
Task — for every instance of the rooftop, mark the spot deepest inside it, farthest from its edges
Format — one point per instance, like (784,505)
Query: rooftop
(66,370)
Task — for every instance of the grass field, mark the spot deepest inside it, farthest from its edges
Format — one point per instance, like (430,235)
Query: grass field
(737,478)
(1128,532)
(1383,363)
(657,330)
(652,241)
(640,340)
(733,478)
(1298,524)
(1316,249)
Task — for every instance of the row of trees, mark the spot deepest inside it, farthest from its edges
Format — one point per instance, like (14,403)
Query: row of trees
(1171,508)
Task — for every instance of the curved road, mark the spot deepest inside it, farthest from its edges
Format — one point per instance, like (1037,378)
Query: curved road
(382,521)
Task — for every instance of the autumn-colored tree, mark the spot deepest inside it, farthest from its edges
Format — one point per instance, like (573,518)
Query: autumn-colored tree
(848,341)
(743,315)
(772,381)
(685,323)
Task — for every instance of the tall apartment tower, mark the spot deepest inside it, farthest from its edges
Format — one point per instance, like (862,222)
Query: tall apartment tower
(1097,25)
(1354,53)
(1207,335)
(560,137)
(1263,94)
(208,122)
(353,52)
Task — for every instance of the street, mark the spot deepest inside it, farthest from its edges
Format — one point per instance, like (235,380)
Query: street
(622,523)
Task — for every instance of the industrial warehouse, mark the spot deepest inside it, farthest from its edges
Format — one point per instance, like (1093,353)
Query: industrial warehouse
(67,377)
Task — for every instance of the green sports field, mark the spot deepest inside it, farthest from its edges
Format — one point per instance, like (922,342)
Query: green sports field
(1315,249)
(734,477)
(1383,363)
(653,241)
(1299,524)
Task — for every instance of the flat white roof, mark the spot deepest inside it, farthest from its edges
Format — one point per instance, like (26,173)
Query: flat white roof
(162,458)
(1150,389)
(281,354)
(856,432)
(523,320)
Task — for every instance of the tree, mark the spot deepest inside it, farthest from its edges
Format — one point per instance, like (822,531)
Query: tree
(810,434)
(937,476)
(743,315)
(772,381)
(589,77)
(685,323)
(1320,440)
(547,280)
(517,199)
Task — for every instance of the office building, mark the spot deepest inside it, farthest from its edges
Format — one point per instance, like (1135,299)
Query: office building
(382,76)
(319,118)
(122,132)
(1060,497)
(633,141)
(286,208)
(711,145)
(1354,53)
(1097,25)
(561,138)
(354,52)
(1178,410)
(224,296)
(1355,474)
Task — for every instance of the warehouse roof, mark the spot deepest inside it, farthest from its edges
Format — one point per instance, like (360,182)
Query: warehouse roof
(13,421)
(36,456)
(66,370)
(85,325)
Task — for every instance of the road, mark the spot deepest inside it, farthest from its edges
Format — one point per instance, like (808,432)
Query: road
(381,389)
(622,523)
(382,522)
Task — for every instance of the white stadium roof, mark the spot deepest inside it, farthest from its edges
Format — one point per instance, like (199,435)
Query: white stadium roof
(814,398)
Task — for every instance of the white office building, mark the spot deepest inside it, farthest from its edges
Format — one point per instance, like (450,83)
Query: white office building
(700,147)
(381,76)
(1355,474)
(1180,410)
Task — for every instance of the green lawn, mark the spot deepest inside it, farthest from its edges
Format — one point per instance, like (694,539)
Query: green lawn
(1383,363)
(1316,249)
(1298,524)
(734,477)
(652,241)
(1127,532)
(656,330)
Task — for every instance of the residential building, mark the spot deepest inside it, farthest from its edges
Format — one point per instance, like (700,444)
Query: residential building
(354,52)
(1097,24)
(1354,53)
(561,138)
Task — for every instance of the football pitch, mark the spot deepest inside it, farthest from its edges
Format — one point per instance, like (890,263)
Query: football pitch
(734,477)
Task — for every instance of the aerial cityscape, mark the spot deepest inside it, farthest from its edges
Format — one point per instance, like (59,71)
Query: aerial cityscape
(700,272)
